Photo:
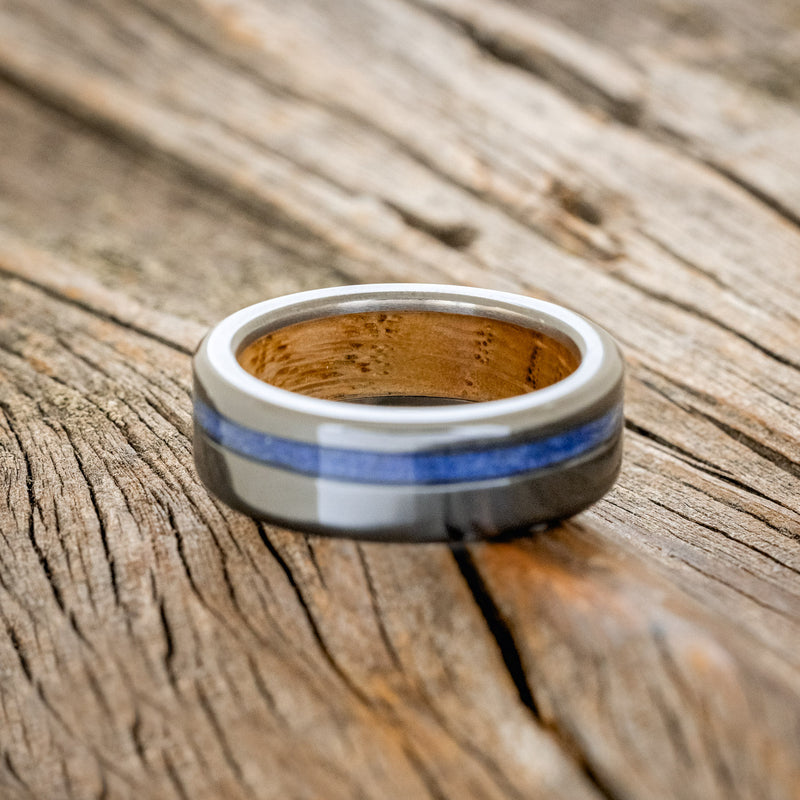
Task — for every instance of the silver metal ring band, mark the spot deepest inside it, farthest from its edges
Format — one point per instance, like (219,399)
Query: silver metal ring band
(408,412)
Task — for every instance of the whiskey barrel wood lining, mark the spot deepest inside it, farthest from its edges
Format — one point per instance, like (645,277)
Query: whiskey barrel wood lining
(162,166)
(409,354)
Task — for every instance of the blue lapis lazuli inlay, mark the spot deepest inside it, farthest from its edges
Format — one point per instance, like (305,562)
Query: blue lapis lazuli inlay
(487,461)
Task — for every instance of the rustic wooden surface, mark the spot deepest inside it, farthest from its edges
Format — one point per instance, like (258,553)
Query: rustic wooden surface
(162,164)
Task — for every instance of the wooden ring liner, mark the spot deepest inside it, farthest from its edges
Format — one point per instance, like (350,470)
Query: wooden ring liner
(409,357)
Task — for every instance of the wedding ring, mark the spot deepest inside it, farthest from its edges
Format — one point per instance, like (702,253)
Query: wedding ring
(408,412)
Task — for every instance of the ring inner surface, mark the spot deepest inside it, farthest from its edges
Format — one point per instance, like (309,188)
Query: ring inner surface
(409,358)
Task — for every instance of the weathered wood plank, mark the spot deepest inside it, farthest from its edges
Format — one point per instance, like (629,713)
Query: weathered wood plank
(752,45)
(159,605)
(693,78)
(161,643)
(439,162)
(666,312)
(141,226)
(648,192)
(610,652)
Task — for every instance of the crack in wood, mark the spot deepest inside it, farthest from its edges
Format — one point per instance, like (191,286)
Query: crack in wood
(225,746)
(101,523)
(14,772)
(169,642)
(759,448)
(20,651)
(672,669)
(102,760)
(94,311)
(536,61)
(698,313)
(697,463)
(181,551)
(737,589)
(766,452)
(466,745)
(138,739)
(498,626)
(374,601)
(689,264)
(744,510)
(33,508)
(503,635)
(754,191)
(459,236)
(714,471)
(672,725)
(435,791)
(266,694)
(97,690)
(725,534)
(175,779)
(686,456)
(355,690)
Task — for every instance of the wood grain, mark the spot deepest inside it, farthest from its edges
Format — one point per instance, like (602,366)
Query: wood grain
(160,630)
(162,166)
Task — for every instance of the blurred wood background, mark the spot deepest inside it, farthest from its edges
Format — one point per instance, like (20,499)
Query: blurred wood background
(163,164)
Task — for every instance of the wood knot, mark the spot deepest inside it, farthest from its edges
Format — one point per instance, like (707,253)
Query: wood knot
(577,203)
